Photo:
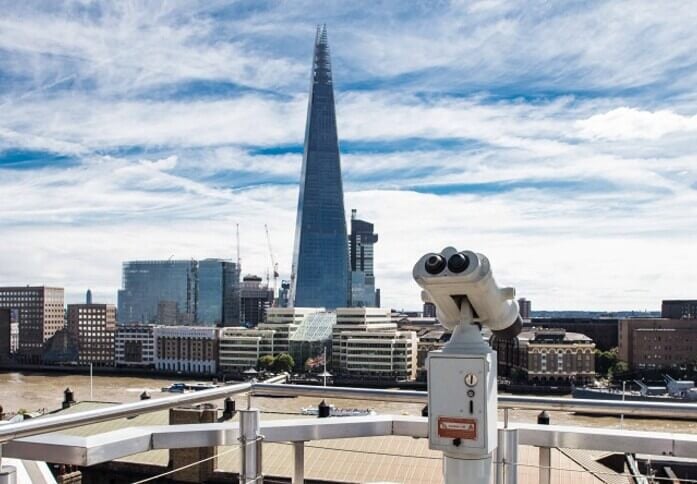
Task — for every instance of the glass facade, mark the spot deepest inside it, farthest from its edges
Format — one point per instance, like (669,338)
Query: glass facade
(361,242)
(320,256)
(312,337)
(147,283)
(180,292)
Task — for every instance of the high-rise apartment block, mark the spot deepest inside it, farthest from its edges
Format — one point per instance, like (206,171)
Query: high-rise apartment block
(135,345)
(205,292)
(92,327)
(320,255)
(679,309)
(362,258)
(40,313)
(255,299)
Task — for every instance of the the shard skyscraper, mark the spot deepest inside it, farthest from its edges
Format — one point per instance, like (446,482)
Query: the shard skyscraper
(320,255)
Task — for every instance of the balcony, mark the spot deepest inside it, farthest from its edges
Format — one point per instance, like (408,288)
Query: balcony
(354,449)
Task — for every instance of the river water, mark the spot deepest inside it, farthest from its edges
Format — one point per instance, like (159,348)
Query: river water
(34,391)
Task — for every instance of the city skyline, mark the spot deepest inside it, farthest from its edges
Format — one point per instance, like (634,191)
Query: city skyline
(559,146)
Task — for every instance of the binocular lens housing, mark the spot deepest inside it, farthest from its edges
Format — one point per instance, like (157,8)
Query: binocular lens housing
(435,264)
(458,263)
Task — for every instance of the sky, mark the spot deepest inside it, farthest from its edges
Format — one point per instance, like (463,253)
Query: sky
(557,138)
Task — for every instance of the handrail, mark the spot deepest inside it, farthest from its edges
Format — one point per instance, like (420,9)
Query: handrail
(686,411)
(61,422)
(380,395)
(55,423)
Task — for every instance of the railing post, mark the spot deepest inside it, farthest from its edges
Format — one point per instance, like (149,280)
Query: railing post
(250,440)
(299,462)
(507,457)
(545,468)
(8,474)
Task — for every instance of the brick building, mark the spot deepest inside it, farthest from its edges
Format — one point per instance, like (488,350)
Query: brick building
(547,356)
(186,349)
(657,342)
(92,328)
(40,313)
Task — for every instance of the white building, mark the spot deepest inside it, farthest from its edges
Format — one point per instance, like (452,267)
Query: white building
(367,344)
(135,345)
(186,349)
(241,348)
(285,321)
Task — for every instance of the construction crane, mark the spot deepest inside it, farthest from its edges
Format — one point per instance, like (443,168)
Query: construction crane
(237,231)
(274,264)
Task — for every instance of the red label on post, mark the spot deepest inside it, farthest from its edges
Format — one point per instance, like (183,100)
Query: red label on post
(457,428)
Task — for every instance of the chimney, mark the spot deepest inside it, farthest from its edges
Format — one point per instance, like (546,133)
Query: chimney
(68,398)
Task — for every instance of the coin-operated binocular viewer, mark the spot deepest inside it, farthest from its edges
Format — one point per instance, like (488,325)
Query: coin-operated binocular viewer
(462,392)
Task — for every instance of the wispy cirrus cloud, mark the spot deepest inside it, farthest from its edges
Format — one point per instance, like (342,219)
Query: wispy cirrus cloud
(558,139)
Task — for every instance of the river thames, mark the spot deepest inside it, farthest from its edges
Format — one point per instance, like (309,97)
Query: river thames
(35,391)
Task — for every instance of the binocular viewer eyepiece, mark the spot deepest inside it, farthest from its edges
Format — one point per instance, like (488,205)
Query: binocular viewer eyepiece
(461,285)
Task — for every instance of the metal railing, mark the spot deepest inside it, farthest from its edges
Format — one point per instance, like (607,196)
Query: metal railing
(25,439)
(687,411)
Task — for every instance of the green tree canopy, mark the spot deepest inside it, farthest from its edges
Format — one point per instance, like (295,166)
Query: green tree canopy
(283,362)
(266,362)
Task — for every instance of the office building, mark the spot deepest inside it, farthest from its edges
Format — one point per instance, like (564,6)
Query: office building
(186,349)
(320,255)
(546,356)
(361,258)
(366,344)
(429,310)
(135,345)
(147,283)
(40,313)
(524,308)
(88,296)
(679,309)
(179,292)
(654,343)
(92,327)
(284,295)
(312,338)
(285,321)
(241,348)
(255,299)
(5,335)
(218,300)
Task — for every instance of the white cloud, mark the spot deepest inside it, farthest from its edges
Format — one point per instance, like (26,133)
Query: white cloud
(591,123)
(630,123)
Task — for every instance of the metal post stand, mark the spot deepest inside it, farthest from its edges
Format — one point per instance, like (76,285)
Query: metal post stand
(507,457)
(545,453)
(250,441)
(299,462)
(8,474)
